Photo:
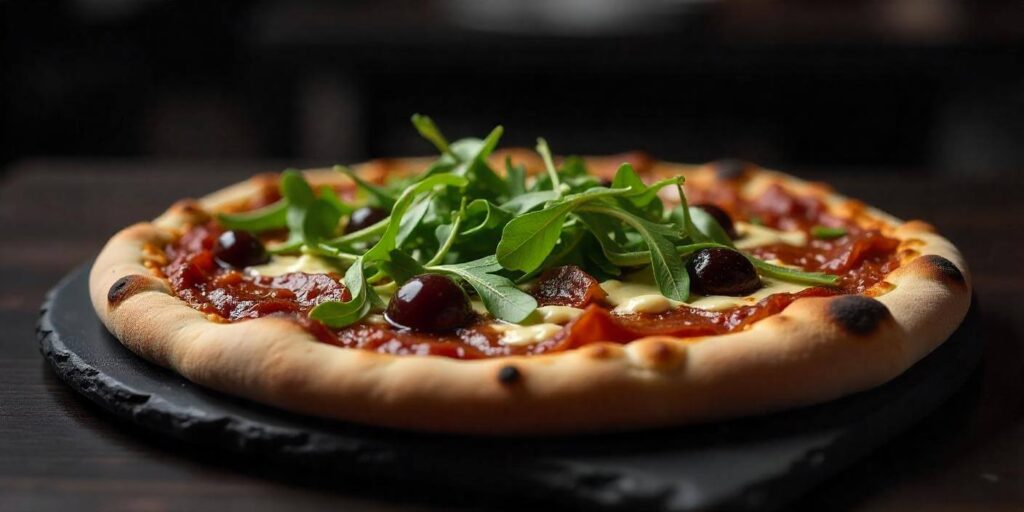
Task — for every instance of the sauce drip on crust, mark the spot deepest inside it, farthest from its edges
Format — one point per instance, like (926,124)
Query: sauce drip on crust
(862,258)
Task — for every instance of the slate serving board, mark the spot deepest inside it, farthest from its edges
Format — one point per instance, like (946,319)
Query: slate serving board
(757,463)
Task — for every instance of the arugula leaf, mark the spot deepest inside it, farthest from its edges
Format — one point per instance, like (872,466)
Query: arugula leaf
(340,314)
(379,194)
(272,216)
(669,271)
(561,254)
(499,295)
(450,236)
(549,165)
(389,238)
(708,226)
(827,233)
(401,267)
(472,155)
(327,194)
(792,275)
(625,177)
(493,216)
(575,167)
(469,150)
(430,131)
(295,189)
(681,214)
(528,239)
(320,220)
(300,196)
(645,199)
(530,200)
(515,178)
(412,219)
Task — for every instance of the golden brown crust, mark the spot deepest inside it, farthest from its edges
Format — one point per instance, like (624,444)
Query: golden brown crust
(816,350)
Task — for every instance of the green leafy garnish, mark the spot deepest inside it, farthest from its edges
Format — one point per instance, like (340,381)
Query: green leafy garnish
(527,240)
(792,275)
(272,216)
(499,295)
(490,230)
(378,194)
(340,314)
(827,233)
(669,270)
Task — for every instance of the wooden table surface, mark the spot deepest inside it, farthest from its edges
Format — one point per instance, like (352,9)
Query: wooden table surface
(59,452)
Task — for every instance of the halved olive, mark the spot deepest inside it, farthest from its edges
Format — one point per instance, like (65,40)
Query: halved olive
(429,302)
(718,271)
(239,249)
(364,217)
(721,216)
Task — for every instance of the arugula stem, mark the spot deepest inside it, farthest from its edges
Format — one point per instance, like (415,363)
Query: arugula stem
(443,250)
(638,258)
(549,164)
(386,289)
(428,130)
(792,275)
(378,277)
(322,249)
(362,235)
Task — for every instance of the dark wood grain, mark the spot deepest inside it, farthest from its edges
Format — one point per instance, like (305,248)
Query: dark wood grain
(59,452)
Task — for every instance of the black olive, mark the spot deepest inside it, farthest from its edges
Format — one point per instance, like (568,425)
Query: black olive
(365,217)
(718,271)
(429,302)
(721,217)
(239,249)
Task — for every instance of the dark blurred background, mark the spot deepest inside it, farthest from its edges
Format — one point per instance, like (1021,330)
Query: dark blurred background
(918,85)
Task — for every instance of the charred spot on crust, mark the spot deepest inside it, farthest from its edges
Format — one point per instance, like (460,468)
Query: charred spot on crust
(124,288)
(945,268)
(509,375)
(728,169)
(857,314)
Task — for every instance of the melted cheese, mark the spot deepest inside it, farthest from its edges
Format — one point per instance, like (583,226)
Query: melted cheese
(521,335)
(308,263)
(558,314)
(638,294)
(752,235)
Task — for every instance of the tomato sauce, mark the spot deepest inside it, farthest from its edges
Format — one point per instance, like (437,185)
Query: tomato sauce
(862,258)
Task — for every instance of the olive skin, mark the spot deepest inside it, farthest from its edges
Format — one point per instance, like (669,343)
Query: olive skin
(718,271)
(720,216)
(429,302)
(239,249)
(364,217)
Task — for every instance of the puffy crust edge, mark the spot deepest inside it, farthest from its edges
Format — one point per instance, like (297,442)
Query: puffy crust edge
(818,349)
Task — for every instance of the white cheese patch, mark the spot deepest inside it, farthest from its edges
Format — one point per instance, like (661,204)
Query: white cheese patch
(522,335)
(650,303)
(752,235)
(768,287)
(558,314)
(637,293)
(282,264)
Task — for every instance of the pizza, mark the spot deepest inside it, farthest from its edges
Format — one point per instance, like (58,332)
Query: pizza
(507,292)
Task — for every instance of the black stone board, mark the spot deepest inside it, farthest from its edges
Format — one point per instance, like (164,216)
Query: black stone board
(758,463)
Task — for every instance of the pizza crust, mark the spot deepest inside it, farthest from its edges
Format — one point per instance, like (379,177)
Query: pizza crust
(816,350)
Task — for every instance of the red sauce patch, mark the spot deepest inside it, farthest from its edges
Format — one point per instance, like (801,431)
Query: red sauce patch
(197,278)
(862,258)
